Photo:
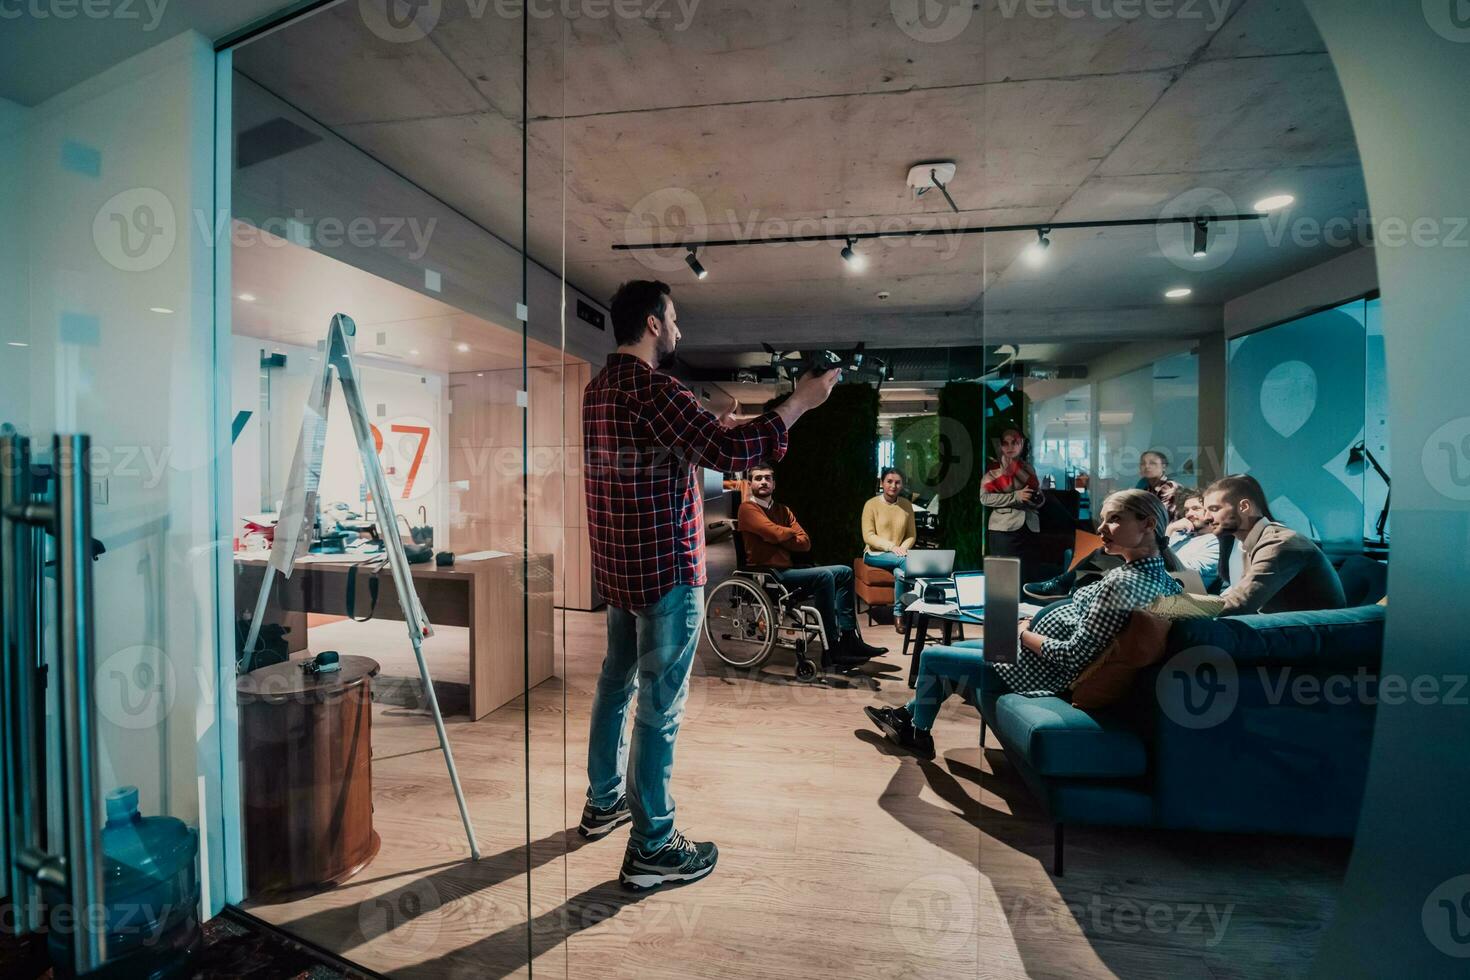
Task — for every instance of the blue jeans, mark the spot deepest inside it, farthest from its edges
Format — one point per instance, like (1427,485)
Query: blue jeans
(832,596)
(895,564)
(649,651)
(944,671)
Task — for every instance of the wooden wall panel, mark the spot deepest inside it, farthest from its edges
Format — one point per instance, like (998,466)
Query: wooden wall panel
(485,470)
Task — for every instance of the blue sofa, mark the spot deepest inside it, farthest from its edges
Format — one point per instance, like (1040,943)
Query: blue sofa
(1288,755)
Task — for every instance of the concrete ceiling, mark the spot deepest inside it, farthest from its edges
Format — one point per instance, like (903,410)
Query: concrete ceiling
(745,117)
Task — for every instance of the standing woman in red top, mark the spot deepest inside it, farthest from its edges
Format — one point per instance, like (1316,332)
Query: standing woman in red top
(1013,494)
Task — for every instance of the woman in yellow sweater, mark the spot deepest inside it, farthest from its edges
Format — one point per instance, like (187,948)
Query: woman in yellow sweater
(889,531)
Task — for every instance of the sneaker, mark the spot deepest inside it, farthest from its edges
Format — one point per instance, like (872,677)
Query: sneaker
(1052,589)
(680,860)
(897,726)
(597,822)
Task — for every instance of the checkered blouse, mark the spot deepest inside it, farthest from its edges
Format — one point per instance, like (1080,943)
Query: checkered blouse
(1077,632)
(645,437)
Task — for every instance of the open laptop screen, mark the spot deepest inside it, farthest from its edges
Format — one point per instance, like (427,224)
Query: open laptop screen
(970,588)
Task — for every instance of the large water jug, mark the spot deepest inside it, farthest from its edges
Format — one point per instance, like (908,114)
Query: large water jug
(150,895)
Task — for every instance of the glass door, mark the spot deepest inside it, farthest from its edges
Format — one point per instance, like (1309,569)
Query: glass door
(112,816)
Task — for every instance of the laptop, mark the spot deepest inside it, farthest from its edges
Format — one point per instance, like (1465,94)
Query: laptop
(1002,596)
(1191,580)
(929,563)
(970,594)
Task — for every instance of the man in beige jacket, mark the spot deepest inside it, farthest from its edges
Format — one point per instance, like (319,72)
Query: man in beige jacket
(1282,570)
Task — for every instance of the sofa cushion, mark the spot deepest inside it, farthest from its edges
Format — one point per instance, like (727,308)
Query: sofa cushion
(1056,739)
(1322,639)
(1141,644)
(1108,678)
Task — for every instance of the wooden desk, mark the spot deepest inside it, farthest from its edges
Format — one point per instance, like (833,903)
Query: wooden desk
(486,596)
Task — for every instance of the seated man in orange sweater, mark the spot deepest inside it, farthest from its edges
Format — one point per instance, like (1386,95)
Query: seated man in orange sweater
(772,535)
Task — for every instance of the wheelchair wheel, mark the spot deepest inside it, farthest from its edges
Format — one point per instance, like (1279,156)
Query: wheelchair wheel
(805,669)
(740,623)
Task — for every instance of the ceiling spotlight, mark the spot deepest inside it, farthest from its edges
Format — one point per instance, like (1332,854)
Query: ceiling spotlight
(1036,252)
(1275,202)
(1201,237)
(246,297)
(462,348)
(692,261)
(16,343)
(855,260)
(159,309)
(1179,293)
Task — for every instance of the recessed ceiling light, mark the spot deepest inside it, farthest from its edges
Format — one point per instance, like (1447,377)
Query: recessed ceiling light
(1179,293)
(479,374)
(462,348)
(413,353)
(17,343)
(246,297)
(1275,202)
(159,309)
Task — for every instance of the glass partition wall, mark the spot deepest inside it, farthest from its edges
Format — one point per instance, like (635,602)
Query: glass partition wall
(350,133)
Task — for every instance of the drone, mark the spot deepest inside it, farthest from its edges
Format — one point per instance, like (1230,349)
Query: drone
(855,363)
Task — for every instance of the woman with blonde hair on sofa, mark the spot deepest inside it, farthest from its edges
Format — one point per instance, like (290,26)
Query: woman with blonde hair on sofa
(1064,639)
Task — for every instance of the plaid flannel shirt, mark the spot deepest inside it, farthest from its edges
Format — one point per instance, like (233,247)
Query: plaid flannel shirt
(645,436)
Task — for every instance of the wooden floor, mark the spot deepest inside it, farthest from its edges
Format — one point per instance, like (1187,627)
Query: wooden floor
(838,858)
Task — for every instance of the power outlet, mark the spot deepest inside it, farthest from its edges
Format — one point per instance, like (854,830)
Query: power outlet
(99,490)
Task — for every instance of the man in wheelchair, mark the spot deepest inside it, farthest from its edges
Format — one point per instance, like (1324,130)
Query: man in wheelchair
(772,537)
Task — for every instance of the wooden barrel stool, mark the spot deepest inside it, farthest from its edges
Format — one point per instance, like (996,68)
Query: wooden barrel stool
(306,775)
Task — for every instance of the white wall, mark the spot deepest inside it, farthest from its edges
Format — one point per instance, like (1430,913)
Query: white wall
(14,328)
(394,395)
(1404,68)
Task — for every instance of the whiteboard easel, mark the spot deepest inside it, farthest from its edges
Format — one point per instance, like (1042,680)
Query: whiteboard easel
(298,515)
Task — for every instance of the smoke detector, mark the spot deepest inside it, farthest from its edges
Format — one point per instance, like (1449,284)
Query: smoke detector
(921,175)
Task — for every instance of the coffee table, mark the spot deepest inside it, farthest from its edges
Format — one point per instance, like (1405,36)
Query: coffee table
(948,614)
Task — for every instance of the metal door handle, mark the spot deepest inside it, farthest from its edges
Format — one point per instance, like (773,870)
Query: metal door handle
(76,871)
(23,763)
(76,656)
